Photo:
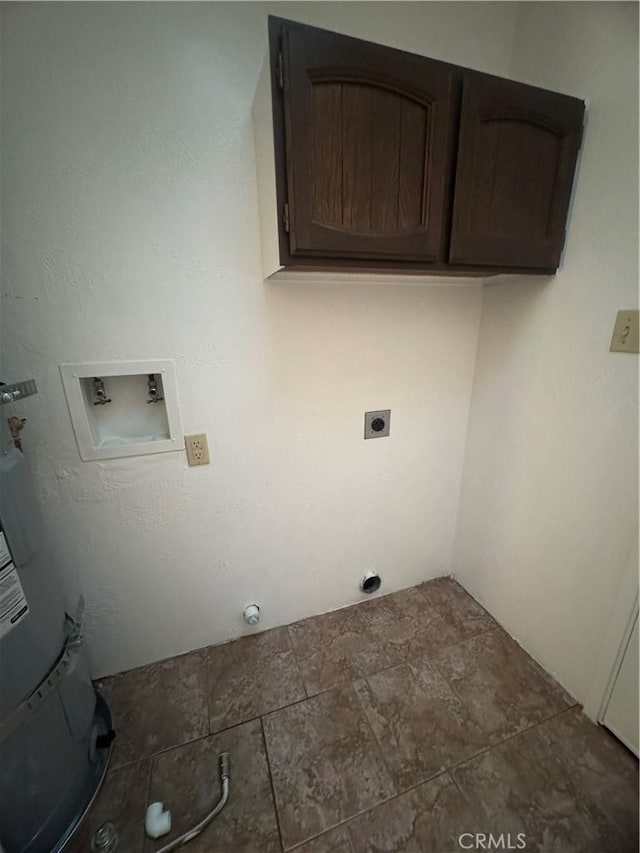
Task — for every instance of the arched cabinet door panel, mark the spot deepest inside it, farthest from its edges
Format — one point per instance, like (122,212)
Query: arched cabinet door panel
(517,155)
(369,148)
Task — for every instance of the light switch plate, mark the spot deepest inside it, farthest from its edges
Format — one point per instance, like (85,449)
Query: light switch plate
(197,449)
(626,332)
(377,424)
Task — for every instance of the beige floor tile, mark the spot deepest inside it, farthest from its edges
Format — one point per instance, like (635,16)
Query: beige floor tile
(158,706)
(334,841)
(601,768)
(252,676)
(408,625)
(186,780)
(411,625)
(335,648)
(325,764)
(436,680)
(122,800)
(494,678)
(427,819)
(559,787)
(419,722)
(460,615)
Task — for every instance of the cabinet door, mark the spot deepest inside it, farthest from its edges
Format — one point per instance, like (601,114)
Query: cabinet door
(516,158)
(368,148)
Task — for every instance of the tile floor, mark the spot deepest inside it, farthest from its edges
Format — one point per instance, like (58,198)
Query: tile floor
(395,725)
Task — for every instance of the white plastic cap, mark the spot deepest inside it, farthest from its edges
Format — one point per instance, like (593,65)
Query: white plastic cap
(157,822)
(252,614)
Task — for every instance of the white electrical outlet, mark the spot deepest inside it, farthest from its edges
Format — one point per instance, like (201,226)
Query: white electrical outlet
(197,448)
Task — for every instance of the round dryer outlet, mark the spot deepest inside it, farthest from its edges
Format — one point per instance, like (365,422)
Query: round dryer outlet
(370,582)
(377,424)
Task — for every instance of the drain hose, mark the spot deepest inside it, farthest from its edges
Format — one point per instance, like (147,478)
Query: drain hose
(223,764)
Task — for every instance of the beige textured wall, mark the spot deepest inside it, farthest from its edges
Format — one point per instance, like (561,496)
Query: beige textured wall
(549,504)
(130,231)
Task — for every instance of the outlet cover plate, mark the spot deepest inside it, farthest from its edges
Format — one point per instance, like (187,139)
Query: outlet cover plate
(197,448)
(626,332)
(372,426)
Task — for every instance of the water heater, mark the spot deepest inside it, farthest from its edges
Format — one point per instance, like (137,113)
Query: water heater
(55,730)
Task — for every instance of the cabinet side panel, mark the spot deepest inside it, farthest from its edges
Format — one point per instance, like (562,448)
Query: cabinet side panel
(265,172)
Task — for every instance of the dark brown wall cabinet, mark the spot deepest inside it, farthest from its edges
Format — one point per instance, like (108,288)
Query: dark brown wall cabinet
(516,155)
(390,161)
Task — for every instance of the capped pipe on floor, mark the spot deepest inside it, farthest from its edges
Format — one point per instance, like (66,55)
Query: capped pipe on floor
(157,821)
(225,774)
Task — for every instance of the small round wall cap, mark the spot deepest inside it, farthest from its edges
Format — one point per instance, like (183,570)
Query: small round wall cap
(370,582)
(252,614)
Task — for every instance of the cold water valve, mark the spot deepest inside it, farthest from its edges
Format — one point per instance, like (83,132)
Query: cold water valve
(99,392)
(152,390)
